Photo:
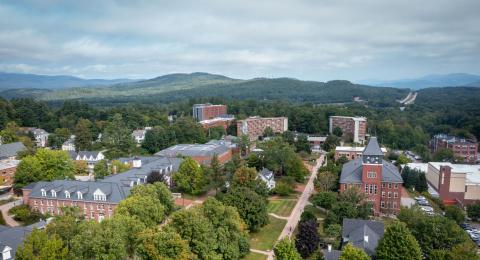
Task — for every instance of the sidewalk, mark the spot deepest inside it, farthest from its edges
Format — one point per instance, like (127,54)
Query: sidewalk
(4,210)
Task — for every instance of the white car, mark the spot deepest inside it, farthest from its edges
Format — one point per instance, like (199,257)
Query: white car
(427,208)
(420,198)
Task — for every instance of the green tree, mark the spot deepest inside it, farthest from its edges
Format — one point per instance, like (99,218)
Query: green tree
(473,211)
(325,199)
(216,132)
(350,252)
(337,131)
(9,133)
(245,177)
(157,190)
(330,143)
(164,244)
(268,132)
(302,144)
(117,138)
(65,226)
(251,206)
(83,135)
(80,168)
(326,181)
(38,245)
(190,177)
(307,239)
(187,130)
(398,243)
(101,169)
(254,161)
(285,250)
(45,165)
(119,167)
(217,177)
(443,155)
(149,210)
(158,138)
(455,213)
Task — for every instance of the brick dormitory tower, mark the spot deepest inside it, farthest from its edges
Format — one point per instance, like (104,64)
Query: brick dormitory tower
(376,177)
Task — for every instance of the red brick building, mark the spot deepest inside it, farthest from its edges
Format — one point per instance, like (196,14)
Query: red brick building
(254,127)
(224,122)
(7,172)
(208,111)
(354,127)
(462,148)
(376,177)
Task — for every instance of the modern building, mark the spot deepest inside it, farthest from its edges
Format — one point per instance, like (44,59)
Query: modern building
(363,234)
(254,127)
(202,153)
(455,183)
(208,111)
(268,177)
(7,173)
(316,142)
(97,199)
(351,152)
(354,127)
(465,149)
(378,178)
(11,150)
(139,134)
(224,121)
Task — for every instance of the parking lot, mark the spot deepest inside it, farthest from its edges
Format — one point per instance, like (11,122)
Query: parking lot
(473,232)
(425,205)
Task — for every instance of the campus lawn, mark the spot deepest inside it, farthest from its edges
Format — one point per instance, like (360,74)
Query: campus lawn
(281,207)
(268,235)
(254,256)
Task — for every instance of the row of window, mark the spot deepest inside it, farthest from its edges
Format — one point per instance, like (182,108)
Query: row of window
(72,204)
(395,186)
(395,194)
(67,194)
(371,189)
(388,205)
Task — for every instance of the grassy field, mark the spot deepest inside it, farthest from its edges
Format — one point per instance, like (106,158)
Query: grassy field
(281,207)
(254,256)
(266,237)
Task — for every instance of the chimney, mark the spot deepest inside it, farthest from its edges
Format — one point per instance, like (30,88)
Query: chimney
(365,238)
(136,162)
(329,248)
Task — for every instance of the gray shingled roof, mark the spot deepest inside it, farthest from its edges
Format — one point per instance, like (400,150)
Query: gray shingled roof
(373,148)
(14,236)
(193,150)
(352,172)
(116,187)
(11,149)
(332,255)
(355,230)
(267,174)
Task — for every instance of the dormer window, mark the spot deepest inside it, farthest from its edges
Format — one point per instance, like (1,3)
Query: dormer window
(138,181)
(44,192)
(54,193)
(79,195)
(131,183)
(67,194)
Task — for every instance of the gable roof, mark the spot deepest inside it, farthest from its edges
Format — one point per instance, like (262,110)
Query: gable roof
(11,149)
(266,174)
(355,231)
(352,171)
(373,148)
(14,236)
(331,255)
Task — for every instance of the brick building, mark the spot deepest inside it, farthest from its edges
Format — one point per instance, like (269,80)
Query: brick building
(201,153)
(208,111)
(378,178)
(462,148)
(97,199)
(254,127)
(354,127)
(224,122)
(7,172)
(351,152)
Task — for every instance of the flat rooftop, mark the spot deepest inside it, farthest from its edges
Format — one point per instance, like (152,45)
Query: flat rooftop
(193,150)
(357,149)
(472,171)
(358,118)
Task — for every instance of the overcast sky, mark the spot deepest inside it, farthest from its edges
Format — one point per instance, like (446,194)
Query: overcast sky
(311,39)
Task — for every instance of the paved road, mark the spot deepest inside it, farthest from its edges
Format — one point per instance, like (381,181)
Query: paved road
(4,210)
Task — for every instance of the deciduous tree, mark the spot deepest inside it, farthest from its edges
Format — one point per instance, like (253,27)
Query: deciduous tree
(39,245)
(285,250)
(190,177)
(350,252)
(149,210)
(398,243)
(251,206)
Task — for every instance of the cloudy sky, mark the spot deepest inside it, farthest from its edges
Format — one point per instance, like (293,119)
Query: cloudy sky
(310,39)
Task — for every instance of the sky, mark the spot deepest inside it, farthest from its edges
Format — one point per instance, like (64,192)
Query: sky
(305,39)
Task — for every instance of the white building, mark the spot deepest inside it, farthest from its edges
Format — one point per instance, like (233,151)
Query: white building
(268,177)
(139,134)
(69,145)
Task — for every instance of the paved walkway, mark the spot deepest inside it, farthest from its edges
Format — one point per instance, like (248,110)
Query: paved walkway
(277,216)
(4,210)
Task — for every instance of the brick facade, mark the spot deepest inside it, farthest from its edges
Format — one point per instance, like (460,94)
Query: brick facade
(355,127)
(208,111)
(254,127)
(465,149)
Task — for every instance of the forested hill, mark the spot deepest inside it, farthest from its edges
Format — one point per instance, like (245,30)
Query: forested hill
(175,87)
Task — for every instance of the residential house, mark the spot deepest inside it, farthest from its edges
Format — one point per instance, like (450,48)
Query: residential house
(139,134)
(39,135)
(69,145)
(363,234)
(91,157)
(378,178)
(97,199)
(11,150)
(268,177)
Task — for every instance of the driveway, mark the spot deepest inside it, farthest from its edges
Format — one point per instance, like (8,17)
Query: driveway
(5,208)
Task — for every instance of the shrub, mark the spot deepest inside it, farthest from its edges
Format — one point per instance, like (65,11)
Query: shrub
(283,189)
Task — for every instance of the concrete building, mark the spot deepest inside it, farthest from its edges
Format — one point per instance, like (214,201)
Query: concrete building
(462,148)
(455,183)
(354,127)
(351,152)
(97,199)
(202,153)
(316,142)
(208,111)
(254,127)
(378,178)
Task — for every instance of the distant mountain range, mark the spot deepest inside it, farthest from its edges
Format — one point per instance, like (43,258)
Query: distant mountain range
(430,81)
(20,80)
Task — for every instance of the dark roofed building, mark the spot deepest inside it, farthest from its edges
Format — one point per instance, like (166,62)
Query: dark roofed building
(12,237)
(10,151)
(97,199)
(363,234)
(378,178)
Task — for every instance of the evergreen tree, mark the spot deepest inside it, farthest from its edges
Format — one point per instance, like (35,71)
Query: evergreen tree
(83,135)
(307,238)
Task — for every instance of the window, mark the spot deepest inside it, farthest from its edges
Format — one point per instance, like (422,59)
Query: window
(382,204)
(34,202)
(383,185)
(371,189)
(371,175)
(383,194)
(366,188)
(394,205)
(41,202)
(395,186)
(67,194)
(92,214)
(44,193)
(395,195)
(389,194)
(389,185)
(375,189)
(54,193)
(79,195)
